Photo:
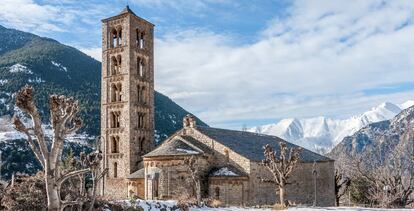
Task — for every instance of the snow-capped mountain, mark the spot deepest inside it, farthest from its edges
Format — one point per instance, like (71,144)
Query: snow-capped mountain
(321,134)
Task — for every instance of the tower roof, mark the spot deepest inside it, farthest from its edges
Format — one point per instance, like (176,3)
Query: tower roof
(126,10)
(123,13)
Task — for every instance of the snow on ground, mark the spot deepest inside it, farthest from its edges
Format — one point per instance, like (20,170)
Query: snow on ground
(298,209)
(60,66)
(152,205)
(3,81)
(37,80)
(18,68)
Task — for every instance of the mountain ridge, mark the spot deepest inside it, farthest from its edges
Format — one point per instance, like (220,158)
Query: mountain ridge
(321,134)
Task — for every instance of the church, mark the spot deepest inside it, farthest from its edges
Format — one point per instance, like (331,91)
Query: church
(229,161)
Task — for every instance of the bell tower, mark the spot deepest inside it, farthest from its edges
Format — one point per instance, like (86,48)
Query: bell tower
(127,99)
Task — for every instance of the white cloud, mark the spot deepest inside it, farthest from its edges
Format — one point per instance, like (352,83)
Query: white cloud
(95,53)
(316,61)
(28,15)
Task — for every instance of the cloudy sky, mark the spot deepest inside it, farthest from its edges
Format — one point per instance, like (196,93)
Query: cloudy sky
(252,62)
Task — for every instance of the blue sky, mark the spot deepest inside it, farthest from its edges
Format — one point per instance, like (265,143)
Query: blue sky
(240,62)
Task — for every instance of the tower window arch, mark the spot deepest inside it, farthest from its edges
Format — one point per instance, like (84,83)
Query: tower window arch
(115,144)
(114,38)
(115,119)
(119,37)
(116,92)
(141,97)
(141,40)
(115,170)
(141,118)
(217,193)
(141,143)
(114,66)
(140,67)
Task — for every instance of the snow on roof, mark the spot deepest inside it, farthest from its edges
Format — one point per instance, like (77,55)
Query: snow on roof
(225,171)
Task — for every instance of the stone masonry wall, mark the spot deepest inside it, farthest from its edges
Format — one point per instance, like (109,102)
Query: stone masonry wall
(301,189)
(174,177)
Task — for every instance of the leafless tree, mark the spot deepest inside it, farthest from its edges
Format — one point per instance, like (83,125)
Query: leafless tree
(389,186)
(281,166)
(64,120)
(341,185)
(195,174)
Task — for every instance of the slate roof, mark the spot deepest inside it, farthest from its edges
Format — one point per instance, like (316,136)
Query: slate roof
(250,145)
(181,145)
(140,174)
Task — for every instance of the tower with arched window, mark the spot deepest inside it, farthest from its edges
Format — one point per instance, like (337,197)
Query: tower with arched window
(127,100)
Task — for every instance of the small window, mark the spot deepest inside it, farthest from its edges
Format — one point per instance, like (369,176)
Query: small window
(217,193)
(141,40)
(115,144)
(115,170)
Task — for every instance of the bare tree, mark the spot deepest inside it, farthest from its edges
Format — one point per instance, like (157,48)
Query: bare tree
(341,185)
(65,120)
(195,174)
(389,186)
(281,166)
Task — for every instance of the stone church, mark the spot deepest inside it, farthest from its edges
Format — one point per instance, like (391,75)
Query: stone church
(229,161)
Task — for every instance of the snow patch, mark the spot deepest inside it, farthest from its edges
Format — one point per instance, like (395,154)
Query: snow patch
(407,104)
(225,171)
(3,82)
(18,68)
(60,66)
(187,151)
(37,80)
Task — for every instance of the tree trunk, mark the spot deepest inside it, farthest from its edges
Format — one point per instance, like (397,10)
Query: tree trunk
(53,201)
(282,195)
(198,189)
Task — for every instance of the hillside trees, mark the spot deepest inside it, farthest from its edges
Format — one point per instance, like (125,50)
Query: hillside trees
(64,120)
(281,166)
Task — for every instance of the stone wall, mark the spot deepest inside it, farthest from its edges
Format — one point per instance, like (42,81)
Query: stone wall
(229,190)
(173,176)
(136,188)
(301,189)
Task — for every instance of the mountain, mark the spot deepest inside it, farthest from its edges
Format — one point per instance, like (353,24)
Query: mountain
(53,68)
(321,134)
(379,142)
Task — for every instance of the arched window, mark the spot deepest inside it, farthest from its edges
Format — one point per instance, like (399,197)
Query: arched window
(114,37)
(140,67)
(217,193)
(116,92)
(141,94)
(115,119)
(141,40)
(114,66)
(141,118)
(115,170)
(137,37)
(115,144)
(119,92)
(119,62)
(141,143)
(119,37)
